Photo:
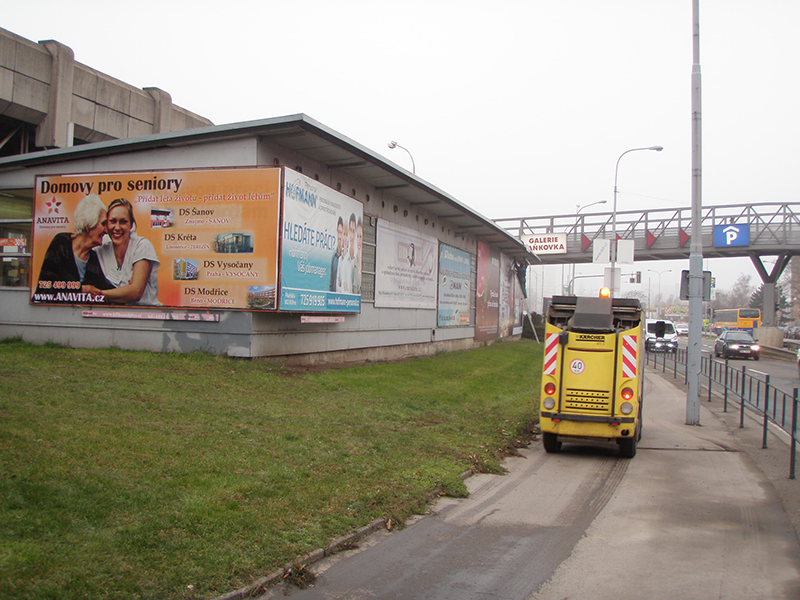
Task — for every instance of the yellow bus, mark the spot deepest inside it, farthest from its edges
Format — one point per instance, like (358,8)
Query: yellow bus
(746,319)
(593,372)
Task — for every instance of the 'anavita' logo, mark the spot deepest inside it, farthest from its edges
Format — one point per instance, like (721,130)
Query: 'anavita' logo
(52,206)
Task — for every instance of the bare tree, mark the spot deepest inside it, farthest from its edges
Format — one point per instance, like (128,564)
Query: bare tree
(738,296)
(640,296)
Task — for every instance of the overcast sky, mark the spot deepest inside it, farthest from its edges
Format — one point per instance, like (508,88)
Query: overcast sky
(515,108)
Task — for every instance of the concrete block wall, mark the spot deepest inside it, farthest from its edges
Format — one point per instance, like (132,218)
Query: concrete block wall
(42,84)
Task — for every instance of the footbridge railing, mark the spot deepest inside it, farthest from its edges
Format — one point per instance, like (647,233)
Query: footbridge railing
(664,234)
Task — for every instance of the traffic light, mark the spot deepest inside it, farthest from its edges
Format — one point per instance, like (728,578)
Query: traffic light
(605,292)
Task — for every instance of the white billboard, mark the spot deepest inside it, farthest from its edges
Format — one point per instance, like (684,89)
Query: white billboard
(406,269)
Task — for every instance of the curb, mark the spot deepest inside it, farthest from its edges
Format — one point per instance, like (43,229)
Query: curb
(260,586)
(782,353)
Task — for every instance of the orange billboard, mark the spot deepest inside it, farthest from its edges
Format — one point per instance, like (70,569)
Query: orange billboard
(193,239)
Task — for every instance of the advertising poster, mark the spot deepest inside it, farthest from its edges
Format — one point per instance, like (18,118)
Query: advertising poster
(454,290)
(487,301)
(406,267)
(510,307)
(321,256)
(193,239)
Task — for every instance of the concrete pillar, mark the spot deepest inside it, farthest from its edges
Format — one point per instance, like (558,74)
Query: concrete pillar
(768,317)
(162,118)
(53,131)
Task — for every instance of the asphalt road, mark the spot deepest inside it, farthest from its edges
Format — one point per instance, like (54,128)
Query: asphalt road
(691,517)
(783,373)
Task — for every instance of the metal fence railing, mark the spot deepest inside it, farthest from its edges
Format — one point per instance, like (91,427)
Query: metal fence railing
(746,389)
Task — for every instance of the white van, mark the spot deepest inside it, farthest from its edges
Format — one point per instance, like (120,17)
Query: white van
(661,340)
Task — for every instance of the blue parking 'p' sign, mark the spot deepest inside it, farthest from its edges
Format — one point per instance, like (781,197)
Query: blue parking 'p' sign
(731,235)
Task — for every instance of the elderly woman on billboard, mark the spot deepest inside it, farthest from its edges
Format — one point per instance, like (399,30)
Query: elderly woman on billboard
(129,262)
(69,257)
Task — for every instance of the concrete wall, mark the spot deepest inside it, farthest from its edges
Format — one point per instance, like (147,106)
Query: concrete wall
(236,334)
(374,334)
(44,85)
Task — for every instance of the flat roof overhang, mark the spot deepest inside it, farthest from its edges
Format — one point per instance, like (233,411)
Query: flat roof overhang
(312,139)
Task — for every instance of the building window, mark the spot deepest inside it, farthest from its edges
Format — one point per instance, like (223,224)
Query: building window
(16,226)
(368,245)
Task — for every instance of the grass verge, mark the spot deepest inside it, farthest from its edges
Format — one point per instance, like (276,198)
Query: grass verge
(146,475)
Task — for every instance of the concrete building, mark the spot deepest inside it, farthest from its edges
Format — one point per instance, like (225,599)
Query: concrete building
(397,209)
(49,100)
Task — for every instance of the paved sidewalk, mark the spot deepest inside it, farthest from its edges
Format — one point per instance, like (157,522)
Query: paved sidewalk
(773,462)
(696,516)
(701,512)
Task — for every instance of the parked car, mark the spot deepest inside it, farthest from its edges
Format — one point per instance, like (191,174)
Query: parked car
(661,337)
(733,343)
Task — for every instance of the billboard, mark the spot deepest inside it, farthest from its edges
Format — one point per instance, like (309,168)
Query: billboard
(487,299)
(406,269)
(193,239)
(454,290)
(510,303)
(321,254)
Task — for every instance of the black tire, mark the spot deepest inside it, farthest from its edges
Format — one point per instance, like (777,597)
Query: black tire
(627,446)
(756,357)
(551,443)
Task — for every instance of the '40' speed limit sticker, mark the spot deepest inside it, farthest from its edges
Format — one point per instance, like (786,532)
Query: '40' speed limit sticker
(577,366)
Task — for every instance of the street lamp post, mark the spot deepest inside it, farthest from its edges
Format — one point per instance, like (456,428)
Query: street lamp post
(694,356)
(660,273)
(614,214)
(578,209)
(394,145)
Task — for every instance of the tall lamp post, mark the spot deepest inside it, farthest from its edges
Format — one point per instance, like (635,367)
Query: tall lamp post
(659,273)
(694,349)
(578,209)
(614,214)
(394,145)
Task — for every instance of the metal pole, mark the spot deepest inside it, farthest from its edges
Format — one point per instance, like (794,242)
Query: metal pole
(394,145)
(766,415)
(794,435)
(686,368)
(675,363)
(741,406)
(710,375)
(696,248)
(614,218)
(725,393)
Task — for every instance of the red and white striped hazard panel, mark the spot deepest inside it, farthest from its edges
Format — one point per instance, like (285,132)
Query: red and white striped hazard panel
(629,349)
(550,353)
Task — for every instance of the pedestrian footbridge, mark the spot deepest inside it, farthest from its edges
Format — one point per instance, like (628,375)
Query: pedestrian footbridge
(736,230)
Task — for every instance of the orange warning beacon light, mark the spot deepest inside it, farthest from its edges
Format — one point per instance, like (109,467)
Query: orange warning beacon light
(605,292)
